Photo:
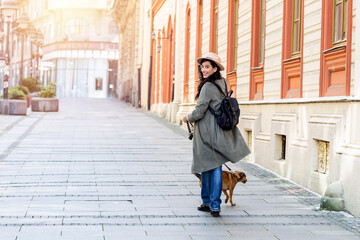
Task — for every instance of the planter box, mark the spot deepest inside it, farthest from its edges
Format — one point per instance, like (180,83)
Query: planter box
(44,104)
(33,94)
(16,107)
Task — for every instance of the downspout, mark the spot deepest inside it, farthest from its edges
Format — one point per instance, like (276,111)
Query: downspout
(151,63)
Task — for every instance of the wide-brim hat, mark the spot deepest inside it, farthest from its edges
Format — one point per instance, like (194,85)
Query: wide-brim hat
(213,57)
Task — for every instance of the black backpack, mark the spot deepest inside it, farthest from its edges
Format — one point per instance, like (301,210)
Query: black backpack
(228,114)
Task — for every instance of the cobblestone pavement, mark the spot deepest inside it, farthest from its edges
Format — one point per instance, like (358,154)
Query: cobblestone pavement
(100,169)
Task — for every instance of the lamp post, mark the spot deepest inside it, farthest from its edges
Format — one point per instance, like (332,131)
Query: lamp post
(8,12)
(22,26)
(38,39)
(32,34)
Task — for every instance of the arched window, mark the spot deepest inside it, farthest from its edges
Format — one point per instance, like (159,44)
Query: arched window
(187,54)
(164,66)
(153,62)
(158,71)
(199,31)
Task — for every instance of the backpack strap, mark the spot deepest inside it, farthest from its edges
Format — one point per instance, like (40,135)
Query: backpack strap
(219,88)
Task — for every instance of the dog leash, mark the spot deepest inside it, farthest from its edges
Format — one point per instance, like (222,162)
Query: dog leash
(229,168)
(231,171)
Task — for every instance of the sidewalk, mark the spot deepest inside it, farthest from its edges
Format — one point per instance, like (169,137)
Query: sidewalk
(100,169)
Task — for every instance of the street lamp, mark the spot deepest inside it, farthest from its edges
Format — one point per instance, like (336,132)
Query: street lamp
(153,37)
(8,11)
(37,38)
(23,23)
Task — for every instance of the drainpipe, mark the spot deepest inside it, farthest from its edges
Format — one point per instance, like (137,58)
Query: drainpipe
(150,62)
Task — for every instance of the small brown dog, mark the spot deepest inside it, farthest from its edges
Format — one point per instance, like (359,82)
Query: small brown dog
(229,181)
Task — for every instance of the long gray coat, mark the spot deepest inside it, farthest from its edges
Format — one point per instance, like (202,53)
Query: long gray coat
(213,146)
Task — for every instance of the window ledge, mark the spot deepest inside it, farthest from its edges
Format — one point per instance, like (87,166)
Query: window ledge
(231,73)
(293,59)
(257,69)
(335,49)
(301,100)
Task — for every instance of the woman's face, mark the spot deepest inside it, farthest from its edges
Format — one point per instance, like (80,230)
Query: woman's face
(207,69)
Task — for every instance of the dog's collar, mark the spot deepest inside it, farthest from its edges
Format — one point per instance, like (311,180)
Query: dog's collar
(236,177)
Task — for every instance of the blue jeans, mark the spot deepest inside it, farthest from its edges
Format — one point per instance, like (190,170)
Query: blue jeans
(211,188)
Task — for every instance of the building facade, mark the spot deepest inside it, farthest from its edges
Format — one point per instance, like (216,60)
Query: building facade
(292,67)
(134,22)
(78,48)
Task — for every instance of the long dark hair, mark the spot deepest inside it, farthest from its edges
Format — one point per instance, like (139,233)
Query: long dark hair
(216,75)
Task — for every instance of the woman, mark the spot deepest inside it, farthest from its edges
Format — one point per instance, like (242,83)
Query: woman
(212,146)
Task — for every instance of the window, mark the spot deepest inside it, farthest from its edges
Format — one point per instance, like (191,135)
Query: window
(296,27)
(257,50)
(199,31)
(335,60)
(153,63)
(157,97)
(232,44)
(187,55)
(214,22)
(233,34)
(76,26)
(262,33)
(164,68)
(291,73)
(98,84)
(339,23)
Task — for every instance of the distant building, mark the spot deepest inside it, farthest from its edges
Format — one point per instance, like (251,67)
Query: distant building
(80,50)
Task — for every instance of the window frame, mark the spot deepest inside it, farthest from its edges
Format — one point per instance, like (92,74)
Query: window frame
(335,59)
(214,25)
(199,31)
(343,22)
(299,20)
(187,54)
(261,47)
(256,91)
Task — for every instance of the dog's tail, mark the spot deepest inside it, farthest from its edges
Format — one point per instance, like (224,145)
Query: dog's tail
(198,175)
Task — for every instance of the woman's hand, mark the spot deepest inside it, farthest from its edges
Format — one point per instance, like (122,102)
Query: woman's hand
(185,119)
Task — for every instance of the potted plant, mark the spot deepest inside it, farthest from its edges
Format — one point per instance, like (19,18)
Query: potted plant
(47,101)
(32,84)
(17,101)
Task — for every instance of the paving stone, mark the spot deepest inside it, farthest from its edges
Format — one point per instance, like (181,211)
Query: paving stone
(100,169)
